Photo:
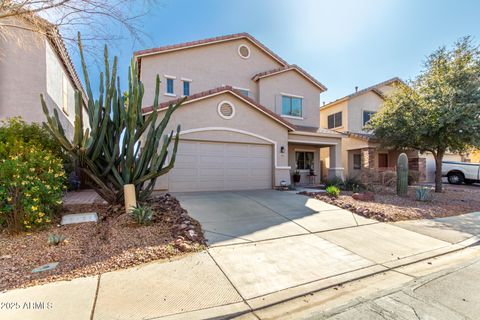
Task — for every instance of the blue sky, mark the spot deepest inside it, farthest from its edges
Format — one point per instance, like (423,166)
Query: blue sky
(343,43)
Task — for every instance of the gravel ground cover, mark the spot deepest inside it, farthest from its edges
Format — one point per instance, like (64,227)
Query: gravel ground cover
(387,206)
(115,242)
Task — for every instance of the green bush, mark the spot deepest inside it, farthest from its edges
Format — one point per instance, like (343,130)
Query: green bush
(31,185)
(352,183)
(15,129)
(333,191)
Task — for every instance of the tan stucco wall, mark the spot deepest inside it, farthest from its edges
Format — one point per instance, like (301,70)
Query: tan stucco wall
(369,101)
(340,107)
(22,74)
(208,67)
(203,114)
(28,67)
(291,82)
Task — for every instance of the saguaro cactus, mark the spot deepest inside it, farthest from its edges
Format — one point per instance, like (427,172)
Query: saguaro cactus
(110,153)
(402,175)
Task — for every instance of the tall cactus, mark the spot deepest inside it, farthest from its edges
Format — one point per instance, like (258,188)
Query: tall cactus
(110,153)
(402,175)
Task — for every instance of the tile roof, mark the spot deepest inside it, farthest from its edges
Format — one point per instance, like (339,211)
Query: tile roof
(373,88)
(220,90)
(272,72)
(207,41)
(316,130)
(362,135)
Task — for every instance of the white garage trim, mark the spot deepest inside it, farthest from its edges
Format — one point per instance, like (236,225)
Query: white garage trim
(242,132)
(313,142)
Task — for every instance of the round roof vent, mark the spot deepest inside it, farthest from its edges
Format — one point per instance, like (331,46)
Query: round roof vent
(226,110)
(244,51)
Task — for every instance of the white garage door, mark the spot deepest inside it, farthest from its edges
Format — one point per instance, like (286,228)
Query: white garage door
(214,166)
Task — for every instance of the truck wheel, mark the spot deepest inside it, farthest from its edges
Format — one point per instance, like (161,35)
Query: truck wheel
(455,178)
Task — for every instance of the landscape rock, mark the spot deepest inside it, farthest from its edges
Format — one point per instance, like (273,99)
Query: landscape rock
(367,196)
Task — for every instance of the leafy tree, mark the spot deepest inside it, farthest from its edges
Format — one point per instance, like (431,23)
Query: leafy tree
(439,111)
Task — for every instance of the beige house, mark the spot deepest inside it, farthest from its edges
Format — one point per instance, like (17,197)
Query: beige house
(250,119)
(361,155)
(32,63)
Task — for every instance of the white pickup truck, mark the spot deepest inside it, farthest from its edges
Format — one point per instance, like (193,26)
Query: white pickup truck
(460,172)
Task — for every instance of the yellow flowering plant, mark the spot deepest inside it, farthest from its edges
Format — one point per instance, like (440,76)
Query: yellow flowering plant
(32,181)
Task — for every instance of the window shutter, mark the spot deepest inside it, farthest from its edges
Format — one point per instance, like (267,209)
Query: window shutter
(331,121)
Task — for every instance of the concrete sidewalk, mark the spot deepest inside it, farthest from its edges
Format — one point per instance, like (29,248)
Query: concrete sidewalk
(268,248)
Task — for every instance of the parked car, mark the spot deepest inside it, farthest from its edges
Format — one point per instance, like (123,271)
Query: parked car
(460,172)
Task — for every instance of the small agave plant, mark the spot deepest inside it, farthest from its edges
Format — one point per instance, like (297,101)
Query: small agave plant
(142,214)
(55,239)
(423,194)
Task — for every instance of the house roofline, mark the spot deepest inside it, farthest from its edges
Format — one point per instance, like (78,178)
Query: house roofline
(373,88)
(208,41)
(292,67)
(217,91)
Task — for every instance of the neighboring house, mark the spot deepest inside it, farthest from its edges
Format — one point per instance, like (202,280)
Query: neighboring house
(362,156)
(32,63)
(475,156)
(250,119)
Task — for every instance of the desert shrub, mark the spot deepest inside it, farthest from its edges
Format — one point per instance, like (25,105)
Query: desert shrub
(333,191)
(336,182)
(353,183)
(31,185)
(142,214)
(55,239)
(15,129)
(388,178)
(413,177)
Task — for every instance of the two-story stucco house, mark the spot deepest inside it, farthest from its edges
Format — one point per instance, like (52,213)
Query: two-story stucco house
(361,153)
(31,63)
(250,119)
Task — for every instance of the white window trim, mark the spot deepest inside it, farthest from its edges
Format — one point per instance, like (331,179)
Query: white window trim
(305,150)
(231,105)
(291,117)
(169,94)
(291,95)
(186,79)
(169,77)
(248,48)
(287,115)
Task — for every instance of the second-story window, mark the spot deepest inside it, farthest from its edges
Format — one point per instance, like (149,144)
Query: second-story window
(170,86)
(291,106)
(367,115)
(335,120)
(186,88)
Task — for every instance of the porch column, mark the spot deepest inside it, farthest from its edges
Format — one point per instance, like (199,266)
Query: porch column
(368,164)
(335,170)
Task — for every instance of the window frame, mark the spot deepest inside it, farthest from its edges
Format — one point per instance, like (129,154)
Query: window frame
(386,158)
(370,117)
(304,160)
(334,117)
(292,97)
(357,166)
(183,87)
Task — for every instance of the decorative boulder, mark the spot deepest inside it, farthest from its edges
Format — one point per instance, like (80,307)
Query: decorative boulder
(367,196)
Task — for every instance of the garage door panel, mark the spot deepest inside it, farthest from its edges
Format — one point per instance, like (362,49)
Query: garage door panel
(211,166)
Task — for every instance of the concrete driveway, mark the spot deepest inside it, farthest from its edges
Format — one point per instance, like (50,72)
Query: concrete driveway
(246,216)
(265,247)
